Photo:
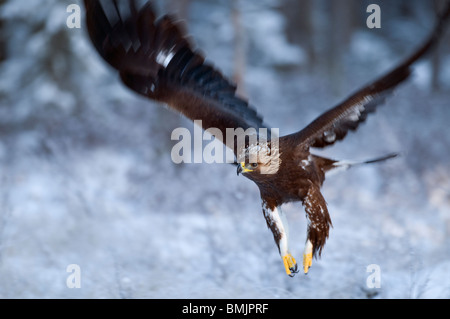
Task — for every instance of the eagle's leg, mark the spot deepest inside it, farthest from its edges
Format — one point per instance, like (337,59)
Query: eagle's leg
(277,222)
(307,256)
(319,223)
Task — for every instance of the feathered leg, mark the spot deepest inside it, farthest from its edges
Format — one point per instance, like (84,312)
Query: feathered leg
(319,223)
(277,223)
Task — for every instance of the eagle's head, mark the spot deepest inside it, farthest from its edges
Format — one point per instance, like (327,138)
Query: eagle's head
(259,159)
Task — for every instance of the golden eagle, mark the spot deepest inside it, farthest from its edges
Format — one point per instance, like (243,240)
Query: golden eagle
(155,58)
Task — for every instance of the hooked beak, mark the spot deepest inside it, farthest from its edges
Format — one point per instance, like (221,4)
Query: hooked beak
(239,169)
(242,169)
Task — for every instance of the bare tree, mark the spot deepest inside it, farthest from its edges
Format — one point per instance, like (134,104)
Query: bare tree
(2,36)
(301,26)
(341,23)
(179,7)
(436,59)
(240,58)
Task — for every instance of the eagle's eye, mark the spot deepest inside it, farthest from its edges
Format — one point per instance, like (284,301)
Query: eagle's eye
(246,167)
(250,166)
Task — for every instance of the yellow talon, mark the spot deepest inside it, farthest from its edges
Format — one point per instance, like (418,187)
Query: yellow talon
(307,262)
(290,264)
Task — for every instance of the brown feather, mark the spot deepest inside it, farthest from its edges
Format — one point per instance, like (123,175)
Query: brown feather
(333,125)
(319,221)
(155,59)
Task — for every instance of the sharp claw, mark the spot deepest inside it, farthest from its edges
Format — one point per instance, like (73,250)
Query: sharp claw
(290,265)
(307,262)
(295,270)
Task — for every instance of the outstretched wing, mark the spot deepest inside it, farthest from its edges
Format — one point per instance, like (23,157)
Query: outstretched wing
(155,59)
(334,124)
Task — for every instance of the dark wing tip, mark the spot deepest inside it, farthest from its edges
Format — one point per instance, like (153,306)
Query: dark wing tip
(129,36)
(155,58)
(334,124)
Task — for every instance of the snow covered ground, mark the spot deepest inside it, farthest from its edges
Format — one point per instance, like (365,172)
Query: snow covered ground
(94,184)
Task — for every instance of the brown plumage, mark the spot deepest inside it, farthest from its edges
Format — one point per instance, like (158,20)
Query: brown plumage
(154,58)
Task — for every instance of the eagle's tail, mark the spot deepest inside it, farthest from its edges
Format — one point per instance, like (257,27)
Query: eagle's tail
(328,165)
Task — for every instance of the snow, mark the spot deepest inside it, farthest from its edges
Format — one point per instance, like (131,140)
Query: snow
(271,25)
(86,176)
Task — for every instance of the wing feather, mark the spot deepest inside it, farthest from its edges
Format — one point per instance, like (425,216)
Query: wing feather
(333,125)
(155,59)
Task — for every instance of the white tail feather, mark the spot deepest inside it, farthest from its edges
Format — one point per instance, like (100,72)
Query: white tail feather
(345,165)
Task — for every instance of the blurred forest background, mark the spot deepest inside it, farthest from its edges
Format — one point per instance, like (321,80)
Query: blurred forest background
(86,176)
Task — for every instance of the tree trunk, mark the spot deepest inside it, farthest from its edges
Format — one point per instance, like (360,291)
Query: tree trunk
(301,24)
(179,7)
(2,36)
(340,27)
(436,59)
(240,52)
